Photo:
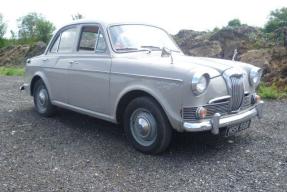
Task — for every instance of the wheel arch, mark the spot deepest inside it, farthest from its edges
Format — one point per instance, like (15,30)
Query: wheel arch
(38,76)
(130,95)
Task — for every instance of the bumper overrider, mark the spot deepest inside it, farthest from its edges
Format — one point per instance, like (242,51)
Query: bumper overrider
(218,121)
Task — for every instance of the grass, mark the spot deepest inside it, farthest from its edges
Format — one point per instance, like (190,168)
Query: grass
(271,92)
(12,71)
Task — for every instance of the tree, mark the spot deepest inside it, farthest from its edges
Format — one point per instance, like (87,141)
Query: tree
(3,27)
(277,19)
(77,16)
(234,23)
(35,27)
(44,30)
(277,24)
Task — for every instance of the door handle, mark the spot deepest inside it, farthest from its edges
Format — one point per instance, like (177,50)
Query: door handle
(45,59)
(73,62)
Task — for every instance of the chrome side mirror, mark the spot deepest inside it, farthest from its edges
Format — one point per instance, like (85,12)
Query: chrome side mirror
(167,53)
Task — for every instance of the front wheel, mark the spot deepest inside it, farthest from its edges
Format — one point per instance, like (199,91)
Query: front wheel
(147,126)
(42,101)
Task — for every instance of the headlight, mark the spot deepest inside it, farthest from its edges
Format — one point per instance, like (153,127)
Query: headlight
(255,76)
(199,83)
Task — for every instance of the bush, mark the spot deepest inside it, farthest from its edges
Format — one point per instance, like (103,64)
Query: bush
(234,23)
(271,92)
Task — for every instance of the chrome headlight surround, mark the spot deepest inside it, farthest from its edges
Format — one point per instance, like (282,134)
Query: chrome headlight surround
(199,83)
(255,76)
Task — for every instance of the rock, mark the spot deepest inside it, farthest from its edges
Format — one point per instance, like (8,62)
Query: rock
(206,49)
(258,57)
(189,39)
(36,49)
(13,55)
(272,61)
(18,54)
(234,38)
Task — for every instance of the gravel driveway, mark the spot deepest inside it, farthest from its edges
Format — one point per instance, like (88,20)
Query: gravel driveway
(73,152)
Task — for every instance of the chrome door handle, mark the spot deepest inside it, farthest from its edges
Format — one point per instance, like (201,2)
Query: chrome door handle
(73,62)
(44,59)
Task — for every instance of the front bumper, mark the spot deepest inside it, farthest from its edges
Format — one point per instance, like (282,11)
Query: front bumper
(217,121)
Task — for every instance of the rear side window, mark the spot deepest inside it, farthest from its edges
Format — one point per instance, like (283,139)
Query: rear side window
(91,40)
(67,40)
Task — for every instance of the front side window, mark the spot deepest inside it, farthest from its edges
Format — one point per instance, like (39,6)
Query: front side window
(55,46)
(67,40)
(91,40)
(126,38)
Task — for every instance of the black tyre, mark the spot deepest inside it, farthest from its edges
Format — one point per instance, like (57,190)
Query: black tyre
(42,100)
(147,126)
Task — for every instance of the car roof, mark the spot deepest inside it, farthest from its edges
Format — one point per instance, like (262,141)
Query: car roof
(103,23)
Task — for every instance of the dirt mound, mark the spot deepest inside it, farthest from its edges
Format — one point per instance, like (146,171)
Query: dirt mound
(18,54)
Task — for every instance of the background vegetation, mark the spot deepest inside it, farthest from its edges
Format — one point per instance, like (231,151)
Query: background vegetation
(34,27)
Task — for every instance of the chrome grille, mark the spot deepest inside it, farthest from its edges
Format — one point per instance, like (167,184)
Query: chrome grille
(237,92)
(189,113)
(246,102)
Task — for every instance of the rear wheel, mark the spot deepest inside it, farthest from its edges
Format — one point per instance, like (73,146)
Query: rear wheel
(42,101)
(147,126)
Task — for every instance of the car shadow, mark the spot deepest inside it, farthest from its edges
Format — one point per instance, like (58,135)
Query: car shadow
(110,139)
(188,143)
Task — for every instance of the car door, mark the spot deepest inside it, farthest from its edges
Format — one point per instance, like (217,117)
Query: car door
(89,74)
(56,63)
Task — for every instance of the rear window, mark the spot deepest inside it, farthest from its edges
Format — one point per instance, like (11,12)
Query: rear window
(91,40)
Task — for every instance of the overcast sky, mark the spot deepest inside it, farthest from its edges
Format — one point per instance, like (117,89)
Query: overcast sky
(172,15)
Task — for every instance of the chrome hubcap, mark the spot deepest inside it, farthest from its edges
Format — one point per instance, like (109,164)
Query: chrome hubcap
(42,97)
(143,127)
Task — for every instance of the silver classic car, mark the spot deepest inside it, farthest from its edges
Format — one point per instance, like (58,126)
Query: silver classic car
(135,75)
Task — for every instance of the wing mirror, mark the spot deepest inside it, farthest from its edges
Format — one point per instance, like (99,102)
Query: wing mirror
(167,53)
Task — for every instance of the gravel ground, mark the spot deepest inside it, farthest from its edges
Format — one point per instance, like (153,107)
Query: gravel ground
(73,152)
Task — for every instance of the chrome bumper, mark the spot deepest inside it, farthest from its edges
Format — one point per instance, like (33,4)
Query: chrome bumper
(24,87)
(217,121)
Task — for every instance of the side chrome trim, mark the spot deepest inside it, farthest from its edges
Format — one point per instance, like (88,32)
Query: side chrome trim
(82,70)
(147,76)
(84,111)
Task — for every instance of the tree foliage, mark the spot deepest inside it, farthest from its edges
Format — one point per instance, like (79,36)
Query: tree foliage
(3,27)
(35,27)
(44,30)
(234,23)
(277,20)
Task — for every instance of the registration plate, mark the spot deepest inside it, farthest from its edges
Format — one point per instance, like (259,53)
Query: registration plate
(233,129)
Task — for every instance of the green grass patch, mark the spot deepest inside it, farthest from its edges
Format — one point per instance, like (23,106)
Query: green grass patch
(271,92)
(12,71)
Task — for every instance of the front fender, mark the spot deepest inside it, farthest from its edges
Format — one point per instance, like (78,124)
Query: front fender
(168,93)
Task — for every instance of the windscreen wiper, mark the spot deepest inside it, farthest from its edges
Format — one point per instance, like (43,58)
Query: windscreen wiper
(153,48)
(131,49)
